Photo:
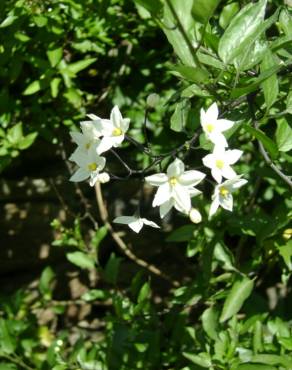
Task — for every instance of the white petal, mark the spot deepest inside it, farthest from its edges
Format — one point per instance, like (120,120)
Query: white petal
(182,197)
(116,117)
(224,124)
(77,137)
(93,117)
(226,202)
(214,206)
(194,192)
(157,179)
(162,195)
(80,157)
(166,207)
(218,139)
(176,168)
(105,144)
(104,126)
(239,184)
(228,172)
(233,155)
(217,174)
(80,175)
(212,113)
(125,220)
(203,118)
(125,124)
(208,160)
(191,177)
(150,223)
(136,225)
(117,140)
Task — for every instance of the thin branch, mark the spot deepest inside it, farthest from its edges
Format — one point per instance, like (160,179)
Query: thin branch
(122,245)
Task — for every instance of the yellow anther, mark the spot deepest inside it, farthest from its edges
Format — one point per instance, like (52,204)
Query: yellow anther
(117,132)
(223,191)
(88,145)
(210,127)
(92,166)
(219,164)
(172,180)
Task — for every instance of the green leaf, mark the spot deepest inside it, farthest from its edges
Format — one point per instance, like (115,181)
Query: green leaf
(289,102)
(179,118)
(80,65)
(111,270)
(269,145)
(81,259)
(27,141)
(270,86)
(285,252)
(242,31)
(94,294)
(100,234)
(254,83)
(203,10)
(55,55)
(54,84)
(144,293)
(15,134)
(153,6)
(183,10)
(285,21)
(32,88)
(7,340)
(239,292)
(202,359)
(228,12)
(283,135)
(223,254)
(8,21)
(192,74)
(272,360)
(255,367)
(46,280)
(210,322)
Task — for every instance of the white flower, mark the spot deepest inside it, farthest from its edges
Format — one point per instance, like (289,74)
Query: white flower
(135,223)
(152,100)
(219,162)
(213,127)
(223,194)
(175,188)
(90,164)
(103,177)
(87,138)
(113,130)
(195,216)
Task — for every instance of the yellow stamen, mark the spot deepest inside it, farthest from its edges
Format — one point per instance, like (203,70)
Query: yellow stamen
(223,191)
(172,181)
(219,164)
(117,132)
(210,127)
(87,146)
(92,166)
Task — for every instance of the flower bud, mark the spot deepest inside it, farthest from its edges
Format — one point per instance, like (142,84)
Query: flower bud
(152,100)
(195,216)
(103,177)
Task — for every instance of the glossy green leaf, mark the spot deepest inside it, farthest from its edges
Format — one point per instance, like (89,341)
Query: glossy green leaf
(228,12)
(178,120)
(153,6)
(255,367)
(270,86)
(238,294)
(8,21)
(55,55)
(289,102)
(94,294)
(7,340)
(81,259)
(283,135)
(181,234)
(193,74)
(32,88)
(210,322)
(242,31)
(202,10)
(54,84)
(15,134)
(285,21)
(269,145)
(80,65)
(27,141)
(285,252)
(272,359)
(45,285)
(144,293)
(202,359)
(175,37)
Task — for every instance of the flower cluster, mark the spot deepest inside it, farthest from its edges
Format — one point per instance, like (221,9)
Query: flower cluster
(176,187)
(96,137)
(220,160)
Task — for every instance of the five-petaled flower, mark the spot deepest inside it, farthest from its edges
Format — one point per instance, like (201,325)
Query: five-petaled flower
(213,127)
(86,139)
(90,164)
(223,194)
(175,188)
(135,223)
(220,160)
(113,130)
